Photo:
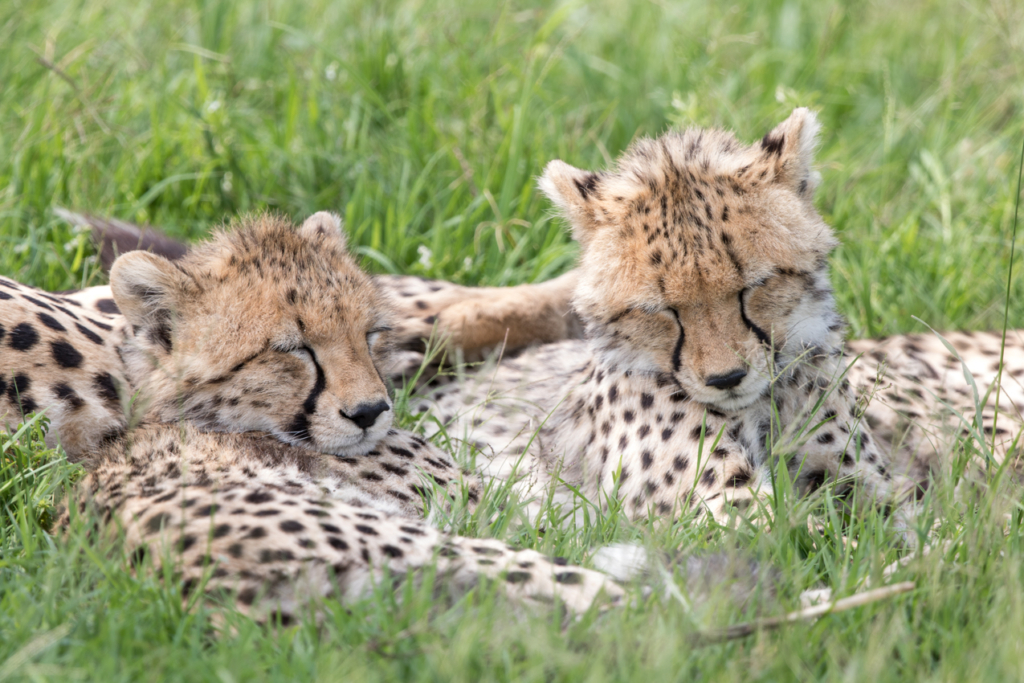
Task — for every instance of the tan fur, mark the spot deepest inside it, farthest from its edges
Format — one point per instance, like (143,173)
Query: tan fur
(262,521)
(274,317)
(701,258)
(245,462)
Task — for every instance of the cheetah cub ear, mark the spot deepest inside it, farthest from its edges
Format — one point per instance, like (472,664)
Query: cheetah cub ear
(323,225)
(789,149)
(574,191)
(149,290)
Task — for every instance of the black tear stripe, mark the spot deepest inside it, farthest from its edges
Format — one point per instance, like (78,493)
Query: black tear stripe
(758,332)
(321,383)
(678,350)
(299,426)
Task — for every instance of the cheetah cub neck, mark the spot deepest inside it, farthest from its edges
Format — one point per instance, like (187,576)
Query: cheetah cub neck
(263,328)
(704,261)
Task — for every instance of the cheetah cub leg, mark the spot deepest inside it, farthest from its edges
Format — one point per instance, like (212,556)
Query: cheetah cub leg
(277,552)
(479,320)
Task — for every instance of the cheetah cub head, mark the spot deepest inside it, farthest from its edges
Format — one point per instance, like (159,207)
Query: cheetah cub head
(703,259)
(265,327)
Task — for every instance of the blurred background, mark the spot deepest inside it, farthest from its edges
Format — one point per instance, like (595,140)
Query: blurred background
(426,123)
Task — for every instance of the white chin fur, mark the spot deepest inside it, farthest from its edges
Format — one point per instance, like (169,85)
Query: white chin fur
(731,401)
(352,445)
(364,445)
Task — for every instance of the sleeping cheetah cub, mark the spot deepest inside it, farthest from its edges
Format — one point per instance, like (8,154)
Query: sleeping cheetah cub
(235,419)
(713,346)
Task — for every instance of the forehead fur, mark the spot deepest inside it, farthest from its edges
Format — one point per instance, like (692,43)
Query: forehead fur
(264,269)
(697,211)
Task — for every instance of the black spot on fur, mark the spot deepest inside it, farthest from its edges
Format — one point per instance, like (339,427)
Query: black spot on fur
(23,337)
(267,555)
(401,452)
(67,394)
(291,526)
(66,355)
(104,384)
(89,334)
(16,394)
(38,303)
(186,542)
(739,480)
(108,306)
(51,322)
(259,497)
(392,551)
(337,543)
(517,577)
(158,521)
(364,529)
(569,578)
(100,325)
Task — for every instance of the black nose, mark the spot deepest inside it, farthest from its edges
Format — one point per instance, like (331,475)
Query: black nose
(726,381)
(366,414)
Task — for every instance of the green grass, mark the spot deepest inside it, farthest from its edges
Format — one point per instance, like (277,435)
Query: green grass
(426,124)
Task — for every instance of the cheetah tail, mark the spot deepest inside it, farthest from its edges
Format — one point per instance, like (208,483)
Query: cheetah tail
(114,237)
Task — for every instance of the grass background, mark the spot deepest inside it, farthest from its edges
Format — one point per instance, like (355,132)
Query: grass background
(426,124)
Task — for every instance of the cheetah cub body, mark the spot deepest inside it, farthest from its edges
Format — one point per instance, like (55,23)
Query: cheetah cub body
(713,348)
(243,427)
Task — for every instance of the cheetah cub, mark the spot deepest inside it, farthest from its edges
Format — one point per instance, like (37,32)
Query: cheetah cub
(257,451)
(713,348)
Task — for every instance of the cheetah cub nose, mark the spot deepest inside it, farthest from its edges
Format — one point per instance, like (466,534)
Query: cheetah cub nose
(366,414)
(726,381)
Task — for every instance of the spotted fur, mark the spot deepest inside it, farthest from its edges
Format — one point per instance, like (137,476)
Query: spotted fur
(247,516)
(236,423)
(713,348)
